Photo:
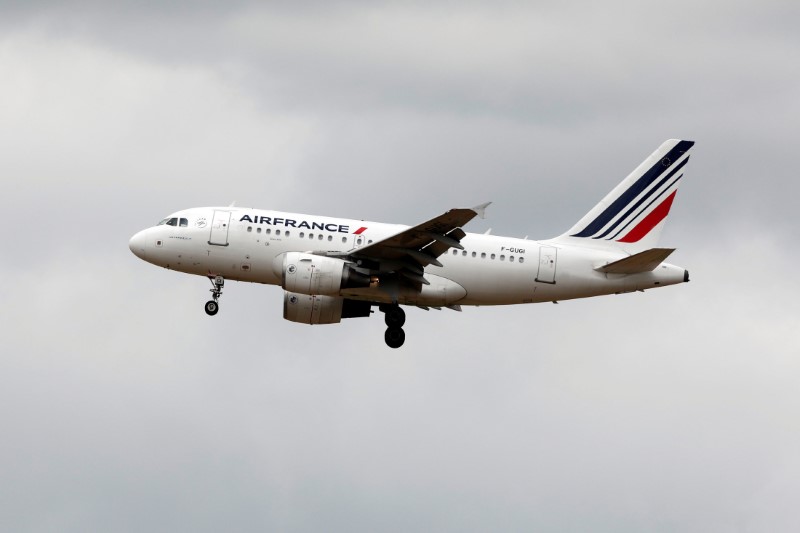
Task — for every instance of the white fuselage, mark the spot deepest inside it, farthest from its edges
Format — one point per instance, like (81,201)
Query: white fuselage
(490,270)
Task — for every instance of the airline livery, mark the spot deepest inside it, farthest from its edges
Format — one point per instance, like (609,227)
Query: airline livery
(332,268)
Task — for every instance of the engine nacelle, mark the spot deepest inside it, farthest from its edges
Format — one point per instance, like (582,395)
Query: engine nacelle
(319,275)
(321,309)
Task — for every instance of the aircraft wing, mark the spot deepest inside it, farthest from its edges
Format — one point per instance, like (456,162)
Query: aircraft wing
(411,250)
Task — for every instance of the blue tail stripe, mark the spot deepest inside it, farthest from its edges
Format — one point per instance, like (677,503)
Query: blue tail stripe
(634,190)
(654,200)
(643,199)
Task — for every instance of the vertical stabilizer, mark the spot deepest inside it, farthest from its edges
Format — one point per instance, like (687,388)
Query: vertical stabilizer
(632,215)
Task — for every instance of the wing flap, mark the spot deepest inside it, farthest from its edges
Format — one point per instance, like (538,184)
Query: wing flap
(645,261)
(445,239)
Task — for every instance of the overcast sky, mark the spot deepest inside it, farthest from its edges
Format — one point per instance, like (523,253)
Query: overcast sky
(123,407)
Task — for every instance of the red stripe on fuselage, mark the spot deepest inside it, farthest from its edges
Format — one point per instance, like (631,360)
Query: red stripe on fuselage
(359,231)
(650,221)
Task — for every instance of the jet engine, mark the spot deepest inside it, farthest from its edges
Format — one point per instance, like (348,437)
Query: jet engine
(319,275)
(321,309)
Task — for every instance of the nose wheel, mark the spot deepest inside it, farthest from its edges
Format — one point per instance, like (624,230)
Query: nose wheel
(212,306)
(394,317)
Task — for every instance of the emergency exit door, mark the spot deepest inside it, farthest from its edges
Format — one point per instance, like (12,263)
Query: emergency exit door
(219,228)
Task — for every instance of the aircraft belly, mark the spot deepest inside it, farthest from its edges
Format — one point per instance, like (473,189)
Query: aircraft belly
(493,284)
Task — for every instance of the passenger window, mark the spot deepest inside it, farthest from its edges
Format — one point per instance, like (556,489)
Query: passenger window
(286,233)
(184,222)
(474,254)
(310,235)
(521,259)
(330,238)
(319,237)
(455,252)
(258,230)
(483,255)
(464,253)
(511,258)
(302,234)
(492,256)
(344,239)
(277,232)
(267,231)
(249,229)
(502,258)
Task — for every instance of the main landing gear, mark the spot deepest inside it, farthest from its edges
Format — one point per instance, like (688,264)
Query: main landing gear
(394,317)
(212,306)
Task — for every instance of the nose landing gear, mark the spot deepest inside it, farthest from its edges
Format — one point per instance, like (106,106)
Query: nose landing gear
(394,317)
(212,306)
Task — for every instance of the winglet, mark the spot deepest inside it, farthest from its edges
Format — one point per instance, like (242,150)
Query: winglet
(480,210)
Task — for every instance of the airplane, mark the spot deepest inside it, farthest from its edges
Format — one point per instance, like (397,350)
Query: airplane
(334,268)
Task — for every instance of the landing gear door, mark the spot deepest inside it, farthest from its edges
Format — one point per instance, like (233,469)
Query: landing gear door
(219,228)
(547,264)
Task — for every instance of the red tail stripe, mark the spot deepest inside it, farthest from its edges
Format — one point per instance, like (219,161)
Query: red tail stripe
(650,221)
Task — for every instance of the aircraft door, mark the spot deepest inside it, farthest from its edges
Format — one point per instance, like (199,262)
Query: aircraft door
(219,228)
(547,264)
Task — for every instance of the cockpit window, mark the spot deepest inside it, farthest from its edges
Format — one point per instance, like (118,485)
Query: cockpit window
(174,222)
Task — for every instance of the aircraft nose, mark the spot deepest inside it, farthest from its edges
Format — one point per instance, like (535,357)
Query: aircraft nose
(138,243)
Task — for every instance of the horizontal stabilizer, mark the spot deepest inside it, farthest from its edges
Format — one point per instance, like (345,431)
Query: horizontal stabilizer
(645,261)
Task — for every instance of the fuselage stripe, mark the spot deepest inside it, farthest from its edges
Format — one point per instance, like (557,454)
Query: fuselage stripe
(645,208)
(650,221)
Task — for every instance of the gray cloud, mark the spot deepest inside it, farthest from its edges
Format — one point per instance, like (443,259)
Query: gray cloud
(125,408)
